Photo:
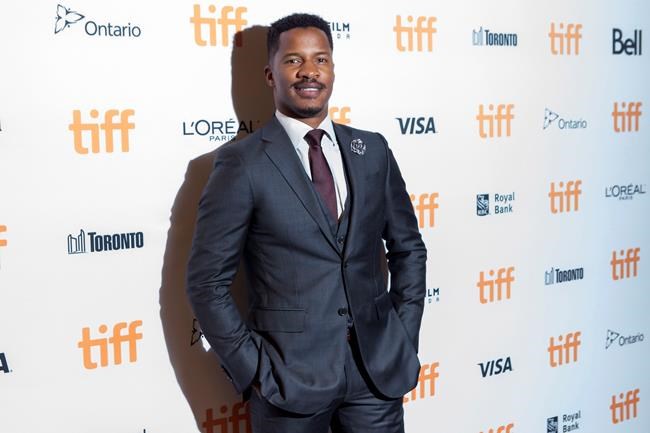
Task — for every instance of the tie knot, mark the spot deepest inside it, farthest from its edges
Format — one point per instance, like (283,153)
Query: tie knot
(314,137)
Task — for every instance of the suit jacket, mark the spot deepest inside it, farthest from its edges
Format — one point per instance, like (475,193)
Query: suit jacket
(303,280)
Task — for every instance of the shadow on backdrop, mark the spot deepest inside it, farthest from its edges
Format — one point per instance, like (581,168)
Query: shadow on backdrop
(210,395)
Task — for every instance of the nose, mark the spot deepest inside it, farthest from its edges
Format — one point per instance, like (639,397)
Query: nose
(308,70)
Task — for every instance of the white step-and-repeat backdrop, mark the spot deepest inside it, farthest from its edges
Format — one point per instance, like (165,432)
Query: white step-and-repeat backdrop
(521,128)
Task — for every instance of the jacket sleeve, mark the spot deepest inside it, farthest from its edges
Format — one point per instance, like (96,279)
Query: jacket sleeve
(223,218)
(406,252)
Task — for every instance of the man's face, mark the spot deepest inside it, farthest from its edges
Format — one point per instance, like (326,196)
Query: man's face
(301,73)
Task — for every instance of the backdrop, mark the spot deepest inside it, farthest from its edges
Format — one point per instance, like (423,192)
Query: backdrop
(521,131)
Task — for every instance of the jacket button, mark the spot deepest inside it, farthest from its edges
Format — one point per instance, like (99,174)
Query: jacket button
(340,239)
(343,311)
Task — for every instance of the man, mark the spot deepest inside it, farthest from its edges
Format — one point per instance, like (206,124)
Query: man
(324,344)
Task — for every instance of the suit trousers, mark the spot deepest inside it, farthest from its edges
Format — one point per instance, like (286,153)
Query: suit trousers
(360,410)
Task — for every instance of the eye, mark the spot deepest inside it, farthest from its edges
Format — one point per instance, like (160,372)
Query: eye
(292,61)
(321,60)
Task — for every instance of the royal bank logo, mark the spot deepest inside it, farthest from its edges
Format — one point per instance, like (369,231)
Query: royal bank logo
(503,204)
(419,29)
(426,386)
(620,340)
(93,242)
(214,26)
(432,296)
(198,336)
(66,17)
(629,46)
(568,422)
(340,30)
(486,37)
(416,125)
(625,192)
(557,275)
(4,365)
(232,418)
(218,131)
(550,118)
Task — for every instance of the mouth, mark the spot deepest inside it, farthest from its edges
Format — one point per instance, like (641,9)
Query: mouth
(308,89)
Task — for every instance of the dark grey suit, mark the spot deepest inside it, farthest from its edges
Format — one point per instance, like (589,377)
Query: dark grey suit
(306,273)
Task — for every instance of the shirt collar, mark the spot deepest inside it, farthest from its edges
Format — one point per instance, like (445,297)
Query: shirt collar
(296,130)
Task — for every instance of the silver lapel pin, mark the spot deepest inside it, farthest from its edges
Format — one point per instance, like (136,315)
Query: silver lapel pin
(357,146)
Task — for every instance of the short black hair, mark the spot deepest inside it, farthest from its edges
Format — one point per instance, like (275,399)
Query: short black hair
(291,22)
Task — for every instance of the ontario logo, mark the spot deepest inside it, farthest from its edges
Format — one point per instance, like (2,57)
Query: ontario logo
(622,340)
(93,242)
(66,17)
(550,117)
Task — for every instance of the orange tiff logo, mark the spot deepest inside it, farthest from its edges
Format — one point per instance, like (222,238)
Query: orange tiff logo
(486,289)
(630,111)
(563,198)
(624,409)
(3,229)
(566,40)
(225,20)
(621,265)
(109,127)
(427,204)
(428,374)
(424,26)
(238,417)
(560,353)
(340,115)
(502,429)
(86,344)
(502,119)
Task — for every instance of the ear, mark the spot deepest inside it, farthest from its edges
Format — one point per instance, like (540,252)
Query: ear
(268,75)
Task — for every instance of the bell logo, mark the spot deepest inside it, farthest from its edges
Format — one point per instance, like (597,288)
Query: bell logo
(503,115)
(621,266)
(623,118)
(239,415)
(560,353)
(117,339)
(501,429)
(3,229)
(109,127)
(420,30)
(561,197)
(630,46)
(428,374)
(225,21)
(426,208)
(340,115)
(624,408)
(486,292)
(566,38)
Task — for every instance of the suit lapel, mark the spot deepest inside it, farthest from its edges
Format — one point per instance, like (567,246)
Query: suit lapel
(354,168)
(283,155)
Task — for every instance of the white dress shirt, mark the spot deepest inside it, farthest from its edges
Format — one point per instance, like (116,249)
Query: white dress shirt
(296,130)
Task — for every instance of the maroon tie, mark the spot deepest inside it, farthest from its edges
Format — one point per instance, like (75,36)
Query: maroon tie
(321,175)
